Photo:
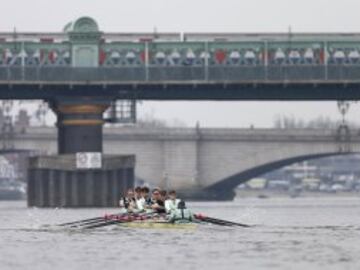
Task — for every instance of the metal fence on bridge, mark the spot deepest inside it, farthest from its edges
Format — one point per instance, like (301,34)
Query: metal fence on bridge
(167,74)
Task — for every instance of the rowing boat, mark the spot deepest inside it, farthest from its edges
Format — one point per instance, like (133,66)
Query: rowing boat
(151,224)
(149,221)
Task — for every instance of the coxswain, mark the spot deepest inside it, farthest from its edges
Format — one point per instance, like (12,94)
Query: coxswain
(172,202)
(181,214)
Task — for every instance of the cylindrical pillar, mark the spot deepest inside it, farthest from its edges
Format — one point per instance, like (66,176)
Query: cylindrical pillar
(80,125)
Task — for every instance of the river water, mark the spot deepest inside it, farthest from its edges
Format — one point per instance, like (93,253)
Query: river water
(302,233)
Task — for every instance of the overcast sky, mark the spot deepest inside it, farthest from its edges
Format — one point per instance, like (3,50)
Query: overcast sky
(193,16)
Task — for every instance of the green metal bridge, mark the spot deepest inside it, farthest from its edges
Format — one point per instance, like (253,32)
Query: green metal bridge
(82,60)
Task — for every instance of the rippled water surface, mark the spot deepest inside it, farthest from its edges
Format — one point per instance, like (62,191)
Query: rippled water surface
(289,234)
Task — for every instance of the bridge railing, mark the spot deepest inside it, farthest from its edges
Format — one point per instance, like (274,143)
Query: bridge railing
(179,73)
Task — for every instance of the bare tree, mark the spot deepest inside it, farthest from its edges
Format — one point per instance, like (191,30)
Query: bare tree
(321,122)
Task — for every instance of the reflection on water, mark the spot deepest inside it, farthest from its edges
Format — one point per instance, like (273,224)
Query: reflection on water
(289,234)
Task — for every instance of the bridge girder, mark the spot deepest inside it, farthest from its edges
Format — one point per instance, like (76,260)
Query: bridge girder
(224,91)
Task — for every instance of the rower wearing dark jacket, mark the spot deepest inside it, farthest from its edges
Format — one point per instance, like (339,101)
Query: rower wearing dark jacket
(157,204)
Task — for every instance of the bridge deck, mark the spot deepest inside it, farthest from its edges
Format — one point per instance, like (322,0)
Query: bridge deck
(184,83)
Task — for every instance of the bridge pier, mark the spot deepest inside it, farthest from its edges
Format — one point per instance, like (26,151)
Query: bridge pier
(80,176)
(55,181)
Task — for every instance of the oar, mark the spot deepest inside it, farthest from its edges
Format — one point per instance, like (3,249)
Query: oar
(80,221)
(229,222)
(85,220)
(77,225)
(220,221)
(105,218)
(215,222)
(101,220)
(103,224)
(116,221)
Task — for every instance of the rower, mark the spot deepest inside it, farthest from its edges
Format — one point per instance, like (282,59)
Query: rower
(157,204)
(140,201)
(172,202)
(145,194)
(128,202)
(163,195)
(181,214)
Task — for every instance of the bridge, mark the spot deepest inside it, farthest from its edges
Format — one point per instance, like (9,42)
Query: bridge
(82,71)
(207,163)
(82,62)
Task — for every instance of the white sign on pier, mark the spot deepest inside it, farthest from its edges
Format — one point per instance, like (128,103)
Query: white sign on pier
(89,160)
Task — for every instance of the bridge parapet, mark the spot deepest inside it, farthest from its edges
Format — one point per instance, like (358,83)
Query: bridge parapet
(169,49)
(83,53)
(225,134)
(220,134)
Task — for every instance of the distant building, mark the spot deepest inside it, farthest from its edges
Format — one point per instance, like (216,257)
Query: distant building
(332,174)
(257,183)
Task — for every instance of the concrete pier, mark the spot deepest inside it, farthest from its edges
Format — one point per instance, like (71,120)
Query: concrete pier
(54,181)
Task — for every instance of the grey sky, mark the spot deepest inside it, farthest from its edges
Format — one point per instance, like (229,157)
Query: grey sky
(185,15)
(200,15)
